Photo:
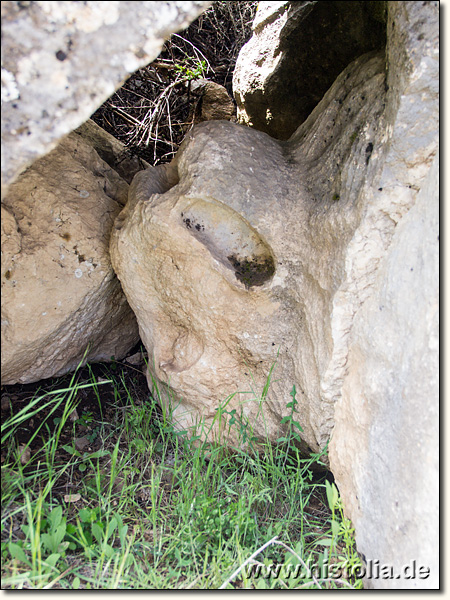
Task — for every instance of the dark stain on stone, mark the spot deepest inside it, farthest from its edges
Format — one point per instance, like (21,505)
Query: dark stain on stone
(65,236)
(60,55)
(140,53)
(369,151)
(190,223)
(254,271)
(8,274)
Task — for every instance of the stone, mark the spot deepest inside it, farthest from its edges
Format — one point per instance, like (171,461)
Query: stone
(340,223)
(136,359)
(214,102)
(113,152)
(62,60)
(230,257)
(384,451)
(24,453)
(385,447)
(81,443)
(296,52)
(61,301)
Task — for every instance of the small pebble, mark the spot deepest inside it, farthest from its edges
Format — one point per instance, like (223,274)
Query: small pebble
(6,402)
(25,454)
(135,359)
(74,416)
(81,443)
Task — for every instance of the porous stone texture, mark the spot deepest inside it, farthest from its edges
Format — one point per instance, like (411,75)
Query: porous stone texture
(384,451)
(62,60)
(296,52)
(231,255)
(61,301)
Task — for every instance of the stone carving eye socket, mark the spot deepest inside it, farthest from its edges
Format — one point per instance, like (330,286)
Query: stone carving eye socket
(230,239)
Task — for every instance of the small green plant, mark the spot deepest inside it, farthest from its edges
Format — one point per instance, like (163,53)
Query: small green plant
(191,69)
(340,539)
(85,420)
(94,531)
(354,136)
(221,518)
(333,503)
(85,458)
(294,427)
(43,546)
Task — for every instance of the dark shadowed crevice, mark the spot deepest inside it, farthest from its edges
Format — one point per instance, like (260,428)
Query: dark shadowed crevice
(316,44)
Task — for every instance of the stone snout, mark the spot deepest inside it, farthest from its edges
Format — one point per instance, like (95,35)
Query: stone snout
(232,255)
(205,320)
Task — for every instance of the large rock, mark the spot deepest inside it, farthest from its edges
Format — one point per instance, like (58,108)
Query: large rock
(318,255)
(62,60)
(234,268)
(296,52)
(384,451)
(61,301)
(385,447)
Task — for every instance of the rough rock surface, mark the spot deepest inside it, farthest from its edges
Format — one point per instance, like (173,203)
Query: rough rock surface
(60,296)
(296,52)
(384,451)
(319,254)
(231,255)
(214,103)
(385,448)
(113,152)
(62,60)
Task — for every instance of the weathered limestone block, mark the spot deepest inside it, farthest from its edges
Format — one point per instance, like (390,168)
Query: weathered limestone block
(384,450)
(60,296)
(62,60)
(231,255)
(296,52)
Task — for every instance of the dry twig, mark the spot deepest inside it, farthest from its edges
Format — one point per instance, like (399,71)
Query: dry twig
(152,113)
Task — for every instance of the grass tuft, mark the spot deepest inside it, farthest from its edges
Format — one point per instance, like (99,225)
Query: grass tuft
(139,506)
